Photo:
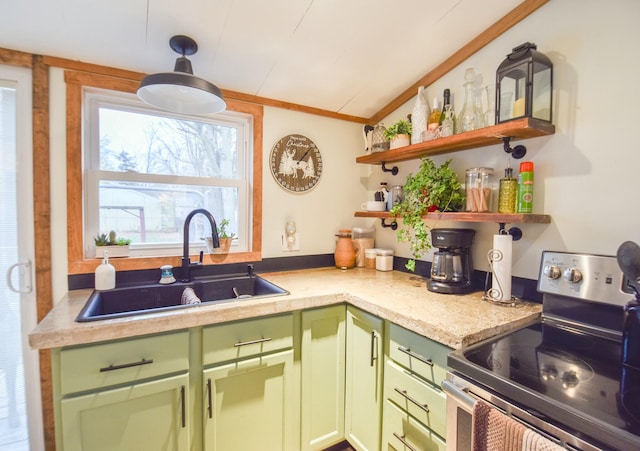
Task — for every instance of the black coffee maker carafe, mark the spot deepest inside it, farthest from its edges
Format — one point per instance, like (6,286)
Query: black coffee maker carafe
(451,268)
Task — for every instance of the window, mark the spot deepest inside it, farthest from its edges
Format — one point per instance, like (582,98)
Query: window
(142,170)
(145,170)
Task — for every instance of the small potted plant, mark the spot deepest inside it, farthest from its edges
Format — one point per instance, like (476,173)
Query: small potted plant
(225,239)
(432,188)
(117,247)
(399,134)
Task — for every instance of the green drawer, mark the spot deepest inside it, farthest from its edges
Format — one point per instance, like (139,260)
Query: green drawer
(248,338)
(424,357)
(402,432)
(94,366)
(416,397)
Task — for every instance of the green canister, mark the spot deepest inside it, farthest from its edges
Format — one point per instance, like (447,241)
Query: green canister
(525,188)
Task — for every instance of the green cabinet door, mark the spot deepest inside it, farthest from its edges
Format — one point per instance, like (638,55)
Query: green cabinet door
(142,416)
(364,364)
(249,404)
(323,377)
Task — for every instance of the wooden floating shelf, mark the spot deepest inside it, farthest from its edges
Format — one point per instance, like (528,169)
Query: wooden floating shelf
(487,136)
(500,218)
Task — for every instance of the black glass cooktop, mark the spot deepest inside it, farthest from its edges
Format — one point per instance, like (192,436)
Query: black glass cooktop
(563,374)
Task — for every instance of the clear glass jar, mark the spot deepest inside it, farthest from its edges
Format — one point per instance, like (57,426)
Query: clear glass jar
(479,188)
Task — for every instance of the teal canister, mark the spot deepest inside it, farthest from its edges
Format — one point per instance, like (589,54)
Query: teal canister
(525,188)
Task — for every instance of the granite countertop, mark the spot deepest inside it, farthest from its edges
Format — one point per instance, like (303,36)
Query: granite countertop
(456,321)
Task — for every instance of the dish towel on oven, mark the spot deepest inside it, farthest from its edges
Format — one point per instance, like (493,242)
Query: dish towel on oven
(494,431)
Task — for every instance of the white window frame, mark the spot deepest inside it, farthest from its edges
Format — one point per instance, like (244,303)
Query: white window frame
(95,98)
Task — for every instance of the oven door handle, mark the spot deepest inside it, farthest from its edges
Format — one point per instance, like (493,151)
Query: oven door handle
(459,394)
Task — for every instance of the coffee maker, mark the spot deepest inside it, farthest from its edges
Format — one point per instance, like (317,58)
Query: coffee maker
(451,268)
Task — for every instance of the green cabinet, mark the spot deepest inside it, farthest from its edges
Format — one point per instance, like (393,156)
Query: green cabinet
(322,377)
(305,380)
(364,367)
(249,404)
(249,385)
(124,395)
(150,415)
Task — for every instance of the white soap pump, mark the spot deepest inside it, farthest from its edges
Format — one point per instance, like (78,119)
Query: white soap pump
(105,275)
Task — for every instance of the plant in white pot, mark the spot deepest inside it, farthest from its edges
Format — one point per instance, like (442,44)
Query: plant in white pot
(117,247)
(399,134)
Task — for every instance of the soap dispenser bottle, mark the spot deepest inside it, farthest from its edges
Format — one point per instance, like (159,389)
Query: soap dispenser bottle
(105,275)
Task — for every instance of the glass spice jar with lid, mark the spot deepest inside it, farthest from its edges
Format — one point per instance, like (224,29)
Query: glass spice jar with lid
(479,187)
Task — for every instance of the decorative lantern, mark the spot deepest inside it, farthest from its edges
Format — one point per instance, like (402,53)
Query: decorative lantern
(524,85)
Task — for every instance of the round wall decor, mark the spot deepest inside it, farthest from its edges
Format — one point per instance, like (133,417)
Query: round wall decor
(296,163)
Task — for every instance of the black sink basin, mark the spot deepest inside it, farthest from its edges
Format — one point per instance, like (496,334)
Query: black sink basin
(139,299)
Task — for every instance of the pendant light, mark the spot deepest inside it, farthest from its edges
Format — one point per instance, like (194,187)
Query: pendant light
(180,91)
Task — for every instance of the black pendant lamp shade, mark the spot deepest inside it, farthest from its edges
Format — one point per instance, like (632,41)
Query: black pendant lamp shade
(180,91)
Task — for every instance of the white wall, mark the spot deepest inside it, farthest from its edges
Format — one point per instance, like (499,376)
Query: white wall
(318,214)
(586,174)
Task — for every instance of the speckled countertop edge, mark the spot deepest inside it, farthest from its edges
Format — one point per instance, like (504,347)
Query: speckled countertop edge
(456,321)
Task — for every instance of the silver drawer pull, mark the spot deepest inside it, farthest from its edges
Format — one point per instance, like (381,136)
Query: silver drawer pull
(410,353)
(404,442)
(252,342)
(126,365)
(405,395)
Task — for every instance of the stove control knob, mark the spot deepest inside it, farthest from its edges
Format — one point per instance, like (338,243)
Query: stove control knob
(572,275)
(551,271)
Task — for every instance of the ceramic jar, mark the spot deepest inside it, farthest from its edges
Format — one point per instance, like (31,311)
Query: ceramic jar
(345,254)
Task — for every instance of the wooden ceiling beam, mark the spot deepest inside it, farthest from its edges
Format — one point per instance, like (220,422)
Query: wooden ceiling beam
(513,17)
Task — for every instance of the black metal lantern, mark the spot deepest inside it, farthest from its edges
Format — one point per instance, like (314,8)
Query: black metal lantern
(524,85)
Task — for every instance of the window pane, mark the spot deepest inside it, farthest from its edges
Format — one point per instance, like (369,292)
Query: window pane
(148,144)
(154,213)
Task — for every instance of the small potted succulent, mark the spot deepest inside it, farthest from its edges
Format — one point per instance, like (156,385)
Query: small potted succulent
(225,239)
(399,134)
(117,247)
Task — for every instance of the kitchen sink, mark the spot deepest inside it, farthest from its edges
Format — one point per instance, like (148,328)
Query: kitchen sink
(135,300)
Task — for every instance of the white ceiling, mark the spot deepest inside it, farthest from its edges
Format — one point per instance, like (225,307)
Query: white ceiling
(346,56)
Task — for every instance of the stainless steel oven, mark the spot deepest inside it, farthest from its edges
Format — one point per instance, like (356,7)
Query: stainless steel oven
(561,375)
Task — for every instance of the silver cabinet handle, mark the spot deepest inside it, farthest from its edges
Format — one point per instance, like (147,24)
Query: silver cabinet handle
(405,395)
(126,365)
(374,353)
(410,353)
(404,442)
(210,406)
(184,407)
(252,342)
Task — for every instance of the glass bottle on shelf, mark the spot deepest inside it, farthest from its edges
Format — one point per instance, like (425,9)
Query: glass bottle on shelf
(508,192)
(490,112)
(468,117)
(447,116)
(447,128)
(419,116)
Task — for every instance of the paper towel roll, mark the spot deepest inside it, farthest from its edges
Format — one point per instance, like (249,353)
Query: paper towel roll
(501,256)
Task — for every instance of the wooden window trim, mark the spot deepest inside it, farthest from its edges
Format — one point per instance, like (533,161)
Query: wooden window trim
(75,81)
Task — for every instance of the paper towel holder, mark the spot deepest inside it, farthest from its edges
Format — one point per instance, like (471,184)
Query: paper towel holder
(515,232)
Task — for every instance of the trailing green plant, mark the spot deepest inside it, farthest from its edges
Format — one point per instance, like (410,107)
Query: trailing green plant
(222,230)
(431,188)
(402,127)
(110,240)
